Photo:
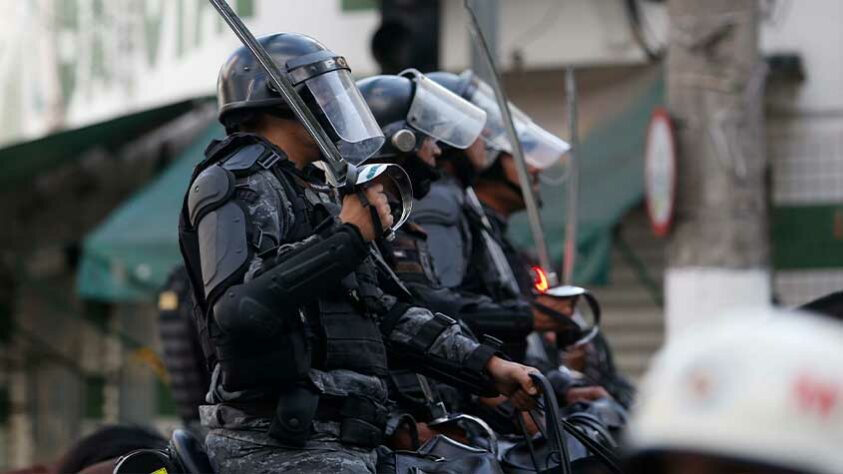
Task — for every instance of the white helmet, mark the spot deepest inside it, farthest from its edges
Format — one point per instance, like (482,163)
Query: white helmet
(764,387)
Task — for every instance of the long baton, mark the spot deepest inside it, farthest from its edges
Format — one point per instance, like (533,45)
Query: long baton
(517,152)
(573,195)
(339,167)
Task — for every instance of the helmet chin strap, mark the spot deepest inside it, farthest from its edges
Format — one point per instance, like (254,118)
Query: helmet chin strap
(402,149)
(422,174)
(463,169)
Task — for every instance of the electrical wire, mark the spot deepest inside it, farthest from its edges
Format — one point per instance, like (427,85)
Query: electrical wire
(520,422)
(548,19)
(637,27)
(774,12)
(550,180)
(606,456)
(533,416)
(647,27)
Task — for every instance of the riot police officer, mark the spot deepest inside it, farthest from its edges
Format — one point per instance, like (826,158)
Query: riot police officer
(471,253)
(500,196)
(395,101)
(418,117)
(292,314)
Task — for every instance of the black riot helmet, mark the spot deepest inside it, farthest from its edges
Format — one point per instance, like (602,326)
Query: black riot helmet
(462,167)
(389,98)
(541,148)
(411,108)
(320,77)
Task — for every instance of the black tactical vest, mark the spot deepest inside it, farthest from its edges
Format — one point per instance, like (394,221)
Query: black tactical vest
(341,328)
(482,279)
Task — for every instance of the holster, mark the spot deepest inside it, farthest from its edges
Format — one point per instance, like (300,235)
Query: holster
(294,413)
(360,433)
(363,422)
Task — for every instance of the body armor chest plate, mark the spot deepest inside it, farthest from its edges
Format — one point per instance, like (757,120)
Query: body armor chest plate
(343,334)
(352,339)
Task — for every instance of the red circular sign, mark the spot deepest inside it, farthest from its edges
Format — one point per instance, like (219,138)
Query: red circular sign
(660,172)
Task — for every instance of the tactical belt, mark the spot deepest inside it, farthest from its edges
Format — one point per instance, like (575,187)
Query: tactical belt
(362,422)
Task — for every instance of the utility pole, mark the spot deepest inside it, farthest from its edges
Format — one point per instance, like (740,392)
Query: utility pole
(718,253)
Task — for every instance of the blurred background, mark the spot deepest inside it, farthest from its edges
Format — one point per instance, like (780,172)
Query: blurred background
(107,106)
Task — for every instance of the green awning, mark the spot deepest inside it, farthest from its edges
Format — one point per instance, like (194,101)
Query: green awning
(611,183)
(128,257)
(21,161)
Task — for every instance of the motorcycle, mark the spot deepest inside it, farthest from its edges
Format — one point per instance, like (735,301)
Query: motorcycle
(577,443)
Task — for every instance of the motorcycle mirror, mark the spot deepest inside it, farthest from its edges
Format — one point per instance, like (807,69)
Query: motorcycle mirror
(585,321)
(566,291)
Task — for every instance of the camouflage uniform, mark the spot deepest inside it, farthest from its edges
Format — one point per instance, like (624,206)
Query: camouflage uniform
(448,238)
(238,421)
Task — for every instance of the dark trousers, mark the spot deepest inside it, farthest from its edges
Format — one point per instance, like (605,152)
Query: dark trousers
(238,451)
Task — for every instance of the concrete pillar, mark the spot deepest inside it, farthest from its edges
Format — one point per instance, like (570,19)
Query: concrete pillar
(718,254)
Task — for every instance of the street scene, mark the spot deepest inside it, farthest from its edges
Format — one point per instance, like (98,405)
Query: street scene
(421,236)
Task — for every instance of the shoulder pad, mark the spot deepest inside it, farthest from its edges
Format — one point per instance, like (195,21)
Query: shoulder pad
(248,156)
(442,205)
(223,245)
(209,190)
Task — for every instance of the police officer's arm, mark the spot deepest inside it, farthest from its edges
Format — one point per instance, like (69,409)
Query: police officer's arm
(510,320)
(505,320)
(434,344)
(448,243)
(235,219)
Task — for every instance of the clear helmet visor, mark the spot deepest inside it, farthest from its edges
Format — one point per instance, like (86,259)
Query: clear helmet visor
(358,134)
(396,185)
(494,133)
(443,115)
(541,148)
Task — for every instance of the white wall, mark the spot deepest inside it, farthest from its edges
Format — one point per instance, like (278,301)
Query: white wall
(141,65)
(547,34)
(34,46)
(804,134)
(811,28)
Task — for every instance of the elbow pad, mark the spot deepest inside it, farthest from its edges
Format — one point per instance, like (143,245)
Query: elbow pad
(467,375)
(263,333)
(317,264)
(294,278)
